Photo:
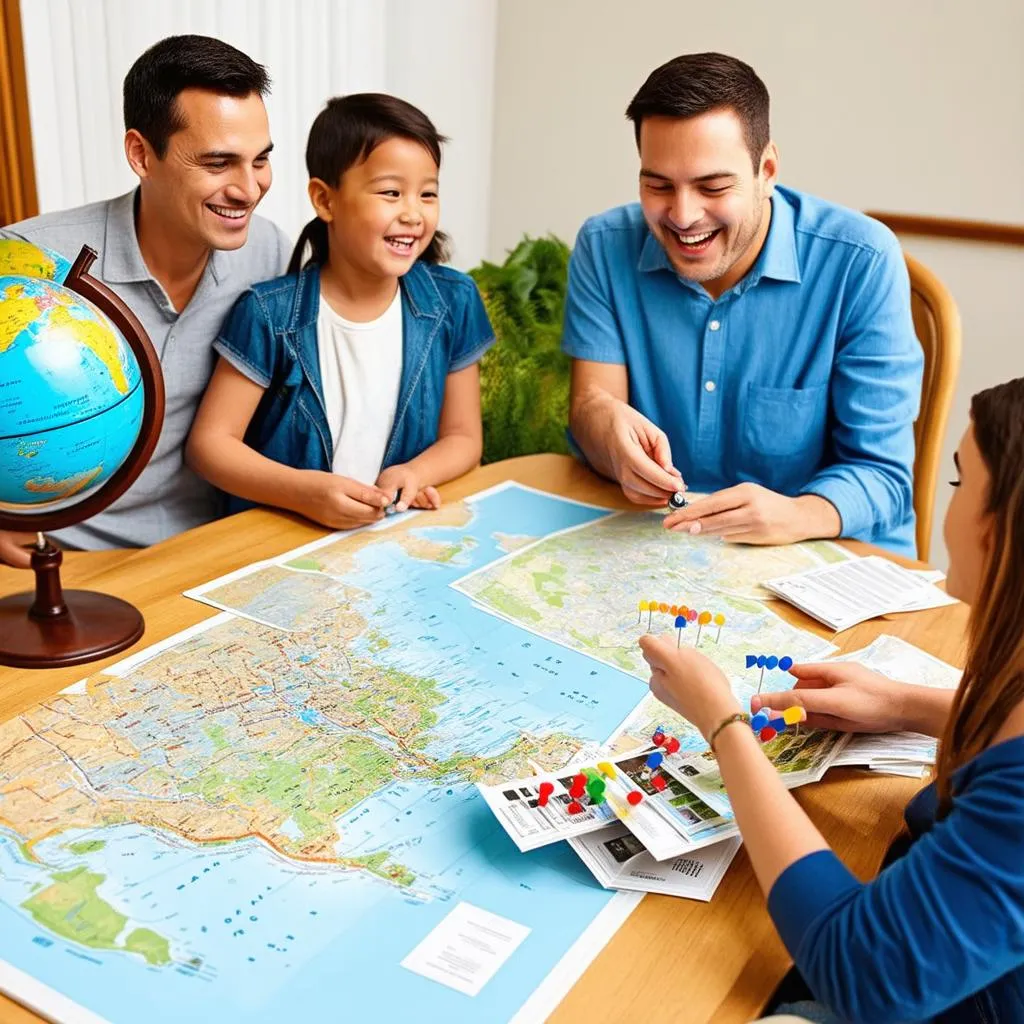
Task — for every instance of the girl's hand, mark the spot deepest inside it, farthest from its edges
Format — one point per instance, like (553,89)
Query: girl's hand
(341,502)
(843,696)
(689,683)
(406,479)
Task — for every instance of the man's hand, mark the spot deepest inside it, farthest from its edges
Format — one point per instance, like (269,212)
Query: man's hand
(752,514)
(638,452)
(341,502)
(12,551)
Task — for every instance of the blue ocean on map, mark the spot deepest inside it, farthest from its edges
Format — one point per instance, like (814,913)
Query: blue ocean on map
(257,936)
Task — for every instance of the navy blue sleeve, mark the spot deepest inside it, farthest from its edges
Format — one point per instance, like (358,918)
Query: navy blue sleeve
(875,394)
(940,924)
(473,332)
(246,340)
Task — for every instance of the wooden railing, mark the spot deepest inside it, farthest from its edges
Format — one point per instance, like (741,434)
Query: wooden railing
(944,227)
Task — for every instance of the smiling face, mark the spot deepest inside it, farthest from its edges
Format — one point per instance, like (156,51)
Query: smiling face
(384,211)
(214,173)
(701,196)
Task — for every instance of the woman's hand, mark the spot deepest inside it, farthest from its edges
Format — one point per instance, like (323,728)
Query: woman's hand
(689,683)
(843,696)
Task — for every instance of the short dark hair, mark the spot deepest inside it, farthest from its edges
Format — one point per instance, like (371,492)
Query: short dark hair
(174,64)
(345,133)
(697,83)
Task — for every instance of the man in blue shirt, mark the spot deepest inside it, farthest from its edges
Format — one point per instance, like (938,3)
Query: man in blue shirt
(748,339)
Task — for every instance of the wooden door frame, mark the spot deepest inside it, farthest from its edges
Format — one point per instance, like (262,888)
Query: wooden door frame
(18,198)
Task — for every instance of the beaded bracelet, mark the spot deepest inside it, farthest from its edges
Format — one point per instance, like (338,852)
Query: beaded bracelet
(739,716)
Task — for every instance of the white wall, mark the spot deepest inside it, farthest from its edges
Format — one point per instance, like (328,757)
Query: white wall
(439,54)
(901,106)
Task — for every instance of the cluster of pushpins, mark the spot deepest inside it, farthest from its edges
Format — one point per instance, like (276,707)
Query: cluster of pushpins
(683,617)
(770,662)
(651,770)
(589,782)
(767,728)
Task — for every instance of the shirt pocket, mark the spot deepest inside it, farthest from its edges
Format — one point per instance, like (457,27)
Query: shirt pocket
(784,434)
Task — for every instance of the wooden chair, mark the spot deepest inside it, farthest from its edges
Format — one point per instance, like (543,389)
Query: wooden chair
(937,325)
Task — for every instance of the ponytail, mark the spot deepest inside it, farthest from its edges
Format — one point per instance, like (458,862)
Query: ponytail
(314,234)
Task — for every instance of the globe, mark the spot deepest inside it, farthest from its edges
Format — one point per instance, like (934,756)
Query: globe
(81,407)
(71,396)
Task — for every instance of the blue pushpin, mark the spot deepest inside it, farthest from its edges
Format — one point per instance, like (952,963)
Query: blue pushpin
(786,663)
(759,721)
(771,661)
(680,626)
(778,724)
(751,660)
(761,659)
(654,759)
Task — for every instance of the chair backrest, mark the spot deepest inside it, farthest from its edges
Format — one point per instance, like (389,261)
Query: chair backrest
(937,325)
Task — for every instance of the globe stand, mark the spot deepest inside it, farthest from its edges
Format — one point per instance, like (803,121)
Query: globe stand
(54,627)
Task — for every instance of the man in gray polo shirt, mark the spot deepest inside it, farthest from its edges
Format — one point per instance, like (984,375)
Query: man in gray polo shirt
(179,250)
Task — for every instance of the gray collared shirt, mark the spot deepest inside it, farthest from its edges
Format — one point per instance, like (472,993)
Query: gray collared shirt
(167,497)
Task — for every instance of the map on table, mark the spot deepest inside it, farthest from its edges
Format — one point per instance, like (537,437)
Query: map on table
(274,815)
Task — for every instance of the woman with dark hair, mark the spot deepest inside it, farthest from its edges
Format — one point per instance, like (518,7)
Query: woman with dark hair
(939,934)
(351,385)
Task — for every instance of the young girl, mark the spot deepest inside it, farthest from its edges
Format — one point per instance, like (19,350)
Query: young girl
(352,383)
(939,935)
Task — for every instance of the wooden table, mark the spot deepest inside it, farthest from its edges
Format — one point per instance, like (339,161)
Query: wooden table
(703,962)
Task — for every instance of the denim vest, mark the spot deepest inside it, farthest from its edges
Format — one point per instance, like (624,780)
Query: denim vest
(271,337)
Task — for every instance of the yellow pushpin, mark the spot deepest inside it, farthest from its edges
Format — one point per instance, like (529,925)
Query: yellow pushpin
(719,622)
(795,714)
(652,607)
(643,608)
(608,769)
(702,620)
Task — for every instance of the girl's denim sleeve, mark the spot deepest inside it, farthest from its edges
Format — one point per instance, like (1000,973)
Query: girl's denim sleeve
(246,340)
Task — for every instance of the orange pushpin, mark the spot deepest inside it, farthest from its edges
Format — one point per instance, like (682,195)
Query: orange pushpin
(673,609)
(662,607)
(702,620)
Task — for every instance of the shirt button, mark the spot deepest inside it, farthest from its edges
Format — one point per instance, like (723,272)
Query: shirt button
(714,325)
(709,386)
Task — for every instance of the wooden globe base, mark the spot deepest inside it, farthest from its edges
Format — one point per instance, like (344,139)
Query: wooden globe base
(52,627)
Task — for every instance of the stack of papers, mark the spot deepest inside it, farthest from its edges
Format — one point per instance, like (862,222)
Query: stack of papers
(898,753)
(843,594)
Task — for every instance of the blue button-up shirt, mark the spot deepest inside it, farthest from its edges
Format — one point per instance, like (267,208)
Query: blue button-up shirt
(804,377)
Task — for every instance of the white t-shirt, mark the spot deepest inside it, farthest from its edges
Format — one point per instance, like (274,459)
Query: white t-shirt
(361,370)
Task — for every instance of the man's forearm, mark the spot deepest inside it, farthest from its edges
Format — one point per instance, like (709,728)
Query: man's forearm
(588,413)
(819,518)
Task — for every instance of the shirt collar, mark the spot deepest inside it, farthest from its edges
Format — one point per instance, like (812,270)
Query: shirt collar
(777,259)
(122,261)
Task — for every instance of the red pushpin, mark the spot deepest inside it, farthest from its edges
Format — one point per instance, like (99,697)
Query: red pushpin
(544,791)
(658,782)
(579,785)
(671,745)
(658,738)
(633,797)
(767,733)
(575,807)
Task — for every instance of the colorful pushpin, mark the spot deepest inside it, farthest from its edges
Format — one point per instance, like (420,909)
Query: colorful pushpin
(607,768)
(778,724)
(677,501)
(673,609)
(663,607)
(794,715)
(684,611)
(680,626)
(702,620)
(544,791)
(719,622)
(659,736)
(643,608)
(771,662)
(691,614)
(751,660)
(633,797)
(575,807)
(759,721)
(671,745)
(654,759)
(579,783)
(652,607)
(658,782)
(767,733)
(785,663)
(595,790)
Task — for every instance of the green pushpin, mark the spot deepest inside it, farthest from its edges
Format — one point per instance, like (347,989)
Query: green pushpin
(595,790)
